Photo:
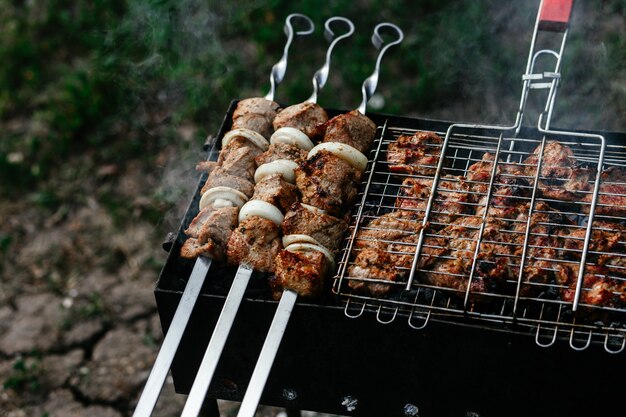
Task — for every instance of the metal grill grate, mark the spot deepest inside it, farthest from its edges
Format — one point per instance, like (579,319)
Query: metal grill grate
(477,223)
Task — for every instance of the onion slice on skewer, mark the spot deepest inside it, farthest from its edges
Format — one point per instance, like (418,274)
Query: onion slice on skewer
(292,136)
(313,209)
(309,247)
(284,167)
(253,137)
(343,151)
(222,197)
(299,238)
(261,209)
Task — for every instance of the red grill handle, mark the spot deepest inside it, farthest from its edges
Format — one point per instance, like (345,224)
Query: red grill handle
(554,15)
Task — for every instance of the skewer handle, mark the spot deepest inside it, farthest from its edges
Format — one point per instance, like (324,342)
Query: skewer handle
(268,354)
(369,85)
(280,68)
(321,75)
(164,359)
(216,344)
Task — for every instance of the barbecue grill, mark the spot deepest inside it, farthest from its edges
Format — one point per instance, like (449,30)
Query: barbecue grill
(331,363)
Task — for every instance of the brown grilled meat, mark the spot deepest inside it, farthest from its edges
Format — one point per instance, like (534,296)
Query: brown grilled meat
(612,194)
(209,233)
(511,191)
(256,242)
(544,244)
(607,245)
(307,117)
(220,178)
(281,151)
(388,228)
(416,155)
(255,114)
(327,182)
(369,265)
(353,129)
(561,178)
(450,201)
(240,162)
(450,263)
(600,288)
(275,190)
(303,272)
(326,229)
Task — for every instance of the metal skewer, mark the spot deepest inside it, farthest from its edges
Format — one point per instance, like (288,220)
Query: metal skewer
(225,321)
(156,379)
(289,297)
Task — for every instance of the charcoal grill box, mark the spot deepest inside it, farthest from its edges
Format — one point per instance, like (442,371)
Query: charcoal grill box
(331,363)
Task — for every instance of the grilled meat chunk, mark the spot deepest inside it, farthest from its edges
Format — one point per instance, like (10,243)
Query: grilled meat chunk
(560,178)
(607,245)
(612,194)
(281,151)
(255,114)
(388,228)
(478,176)
(275,190)
(451,199)
(220,178)
(256,242)
(307,117)
(368,266)
(415,155)
(451,264)
(600,288)
(542,254)
(209,233)
(327,182)
(326,229)
(240,162)
(303,272)
(353,129)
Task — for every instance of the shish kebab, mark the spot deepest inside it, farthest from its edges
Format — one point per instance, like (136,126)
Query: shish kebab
(255,242)
(328,181)
(249,121)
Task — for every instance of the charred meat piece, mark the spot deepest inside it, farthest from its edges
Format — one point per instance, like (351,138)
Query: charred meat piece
(612,194)
(607,245)
(275,190)
(600,288)
(478,176)
(256,242)
(220,178)
(450,265)
(255,114)
(327,182)
(209,233)
(353,129)
(511,191)
(415,155)
(388,228)
(450,202)
(544,243)
(326,229)
(303,272)
(281,151)
(370,265)
(561,178)
(307,117)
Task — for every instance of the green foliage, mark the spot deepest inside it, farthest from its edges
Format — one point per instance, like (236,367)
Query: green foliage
(25,375)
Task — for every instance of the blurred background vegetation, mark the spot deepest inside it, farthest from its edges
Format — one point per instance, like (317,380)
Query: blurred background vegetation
(104,76)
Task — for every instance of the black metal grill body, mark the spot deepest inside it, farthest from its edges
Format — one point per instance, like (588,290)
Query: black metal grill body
(331,363)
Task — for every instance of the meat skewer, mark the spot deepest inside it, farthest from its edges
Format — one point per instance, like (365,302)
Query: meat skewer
(219,206)
(255,242)
(317,161)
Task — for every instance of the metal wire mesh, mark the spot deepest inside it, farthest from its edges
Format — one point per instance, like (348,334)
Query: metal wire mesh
(502,242)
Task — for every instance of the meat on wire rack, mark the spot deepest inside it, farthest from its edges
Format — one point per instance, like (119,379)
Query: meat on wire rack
(496,225)
(156,379)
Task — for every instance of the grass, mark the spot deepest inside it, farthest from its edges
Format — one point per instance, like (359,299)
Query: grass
(118,76)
